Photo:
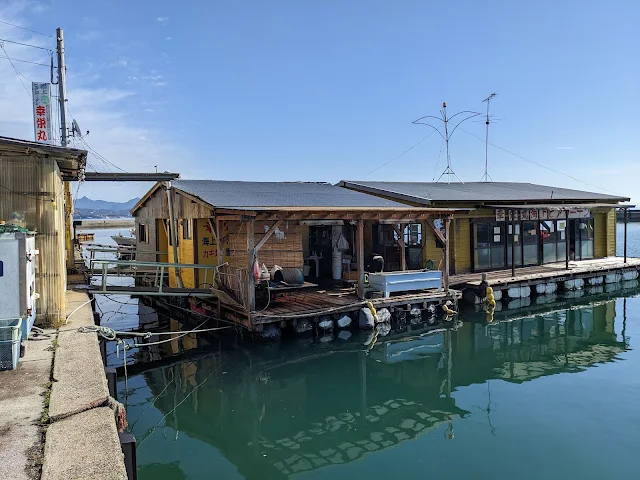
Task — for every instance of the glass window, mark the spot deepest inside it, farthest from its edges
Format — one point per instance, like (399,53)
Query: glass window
(413,234)
(530,242)
(143,236)
(489,245)
(482,235)
(186,229)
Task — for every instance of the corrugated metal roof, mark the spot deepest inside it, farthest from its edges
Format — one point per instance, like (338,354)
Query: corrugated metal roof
(425,192)
(272,195)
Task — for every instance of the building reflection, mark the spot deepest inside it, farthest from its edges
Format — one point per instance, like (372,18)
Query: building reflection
(275,414)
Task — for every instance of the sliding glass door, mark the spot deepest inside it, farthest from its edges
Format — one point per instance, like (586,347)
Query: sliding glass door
(488,245)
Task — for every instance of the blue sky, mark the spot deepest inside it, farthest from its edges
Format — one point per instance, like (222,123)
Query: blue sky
(301,90)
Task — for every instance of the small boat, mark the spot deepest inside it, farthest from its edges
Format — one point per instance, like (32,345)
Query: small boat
(125,241)
(129,241)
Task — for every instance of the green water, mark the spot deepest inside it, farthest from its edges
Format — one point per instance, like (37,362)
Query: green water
(551,393)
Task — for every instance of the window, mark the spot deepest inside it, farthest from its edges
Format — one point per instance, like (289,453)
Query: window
(530,242)
(186,229)
(581,235)
(553,237)
(143,233)
(413,235)
(488,245)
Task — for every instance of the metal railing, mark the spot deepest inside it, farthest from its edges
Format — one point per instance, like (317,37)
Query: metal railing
(158,271)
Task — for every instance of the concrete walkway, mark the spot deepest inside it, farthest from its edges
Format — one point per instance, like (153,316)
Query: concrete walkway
(81,437)
(82,440)
(21,408)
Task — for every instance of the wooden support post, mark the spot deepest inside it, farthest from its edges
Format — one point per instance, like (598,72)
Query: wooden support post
(251,258)
(173,230)
(447,230)
(68,207)
(566,237)
(399,229)
(360,254)
(626,211)
(513,242)
(219,241)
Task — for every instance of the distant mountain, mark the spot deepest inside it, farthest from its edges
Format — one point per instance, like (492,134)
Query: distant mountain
(88,204)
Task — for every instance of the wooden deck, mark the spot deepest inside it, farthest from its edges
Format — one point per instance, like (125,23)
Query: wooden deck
(544,273)
(311,303)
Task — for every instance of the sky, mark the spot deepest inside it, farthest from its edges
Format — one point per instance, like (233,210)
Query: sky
(291,90)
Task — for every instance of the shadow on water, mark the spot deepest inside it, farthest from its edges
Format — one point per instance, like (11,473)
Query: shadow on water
(301,405)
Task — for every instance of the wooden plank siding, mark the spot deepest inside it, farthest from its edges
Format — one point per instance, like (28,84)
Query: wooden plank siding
(611,233)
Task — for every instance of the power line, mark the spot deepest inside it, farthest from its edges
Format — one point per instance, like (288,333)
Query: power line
(26,45)
(27,29)
(395,158)
(17,71)
(539,164)
(25,61)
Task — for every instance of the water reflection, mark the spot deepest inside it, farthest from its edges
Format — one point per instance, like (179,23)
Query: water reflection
(276,411)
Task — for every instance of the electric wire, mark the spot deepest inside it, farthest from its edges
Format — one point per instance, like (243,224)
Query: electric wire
(17,71)
(24,61)
(26,45)
(397,157)
(538,163)
(26,29)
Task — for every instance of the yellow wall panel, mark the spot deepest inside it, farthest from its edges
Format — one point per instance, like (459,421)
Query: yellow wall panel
(600,235)
(462,245)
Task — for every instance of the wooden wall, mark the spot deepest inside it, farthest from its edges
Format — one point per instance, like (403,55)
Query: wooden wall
(611,233)
(600,235)
(284,247)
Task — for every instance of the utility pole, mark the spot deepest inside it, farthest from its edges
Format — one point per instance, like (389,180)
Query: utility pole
(62,94)
(486,177)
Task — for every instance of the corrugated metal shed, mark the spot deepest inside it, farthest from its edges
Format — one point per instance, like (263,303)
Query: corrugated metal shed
(426,192)
(269,195)
(71,161)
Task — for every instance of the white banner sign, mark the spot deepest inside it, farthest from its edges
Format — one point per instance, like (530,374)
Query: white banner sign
(42,112)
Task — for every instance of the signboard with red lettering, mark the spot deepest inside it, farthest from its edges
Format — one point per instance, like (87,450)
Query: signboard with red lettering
(500,215)
(533,214)
(42,112)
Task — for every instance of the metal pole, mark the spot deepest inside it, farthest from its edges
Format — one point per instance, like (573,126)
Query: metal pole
(62,90)
(566,238)
(62,94)
(625,234)
(513,243)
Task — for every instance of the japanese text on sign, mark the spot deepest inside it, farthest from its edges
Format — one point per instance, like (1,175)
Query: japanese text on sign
(42,112)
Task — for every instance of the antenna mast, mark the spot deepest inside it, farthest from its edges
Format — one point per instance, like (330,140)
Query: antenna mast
(486,177)
(448,133)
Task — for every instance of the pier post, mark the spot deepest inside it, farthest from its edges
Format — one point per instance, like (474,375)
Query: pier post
(360,254)
(625,233)
(251,255)
(447,231)
(566,237)
(513,243)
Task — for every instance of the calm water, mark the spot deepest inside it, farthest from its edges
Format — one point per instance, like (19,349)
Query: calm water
(550,391)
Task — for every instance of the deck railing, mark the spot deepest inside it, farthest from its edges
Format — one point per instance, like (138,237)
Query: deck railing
(233,282)
(157,270)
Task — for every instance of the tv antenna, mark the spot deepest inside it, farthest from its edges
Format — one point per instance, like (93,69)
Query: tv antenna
(447,134)
(486,177)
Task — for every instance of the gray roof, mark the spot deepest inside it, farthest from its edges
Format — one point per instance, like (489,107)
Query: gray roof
(272,195)
(425,192)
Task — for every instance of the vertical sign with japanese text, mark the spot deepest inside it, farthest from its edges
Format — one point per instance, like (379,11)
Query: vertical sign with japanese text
(42,112)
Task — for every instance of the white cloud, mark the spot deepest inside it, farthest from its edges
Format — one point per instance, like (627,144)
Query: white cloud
(167,38)
(159,84)
(162,19)
(110,111)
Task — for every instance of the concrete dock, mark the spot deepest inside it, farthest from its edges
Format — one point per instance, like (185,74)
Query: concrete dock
(55,423)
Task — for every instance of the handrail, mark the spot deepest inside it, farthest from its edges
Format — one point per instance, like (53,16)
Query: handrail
(135,263)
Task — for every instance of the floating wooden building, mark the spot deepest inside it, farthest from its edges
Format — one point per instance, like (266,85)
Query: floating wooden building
(526,238)
(328,232)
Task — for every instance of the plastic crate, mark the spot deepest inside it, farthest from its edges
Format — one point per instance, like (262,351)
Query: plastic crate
(9,328)
(9,354)
(10,339)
